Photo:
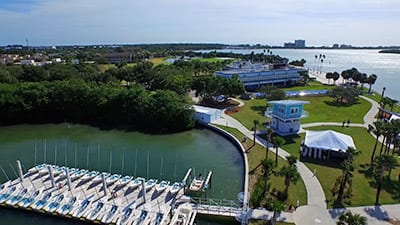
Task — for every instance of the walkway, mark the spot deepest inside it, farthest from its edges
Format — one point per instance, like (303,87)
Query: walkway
(315,212)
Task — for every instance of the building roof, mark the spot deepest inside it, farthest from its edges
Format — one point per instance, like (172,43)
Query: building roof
(288,102)
(205,110)
(329,140)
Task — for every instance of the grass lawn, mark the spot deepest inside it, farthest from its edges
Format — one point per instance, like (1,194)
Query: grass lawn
(312,85)
(255,155)
(363,186)
(158,61)
(319,109)
(216,59)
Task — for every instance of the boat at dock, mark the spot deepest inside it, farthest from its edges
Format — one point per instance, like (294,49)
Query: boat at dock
(127,212)
(29,199)
(83,206)
(112,179)
(67,208)
(176,187)
(150,184)
(90,175)
(158,219)
(4,197)
(136,182)
(55,203)
(197,183)
(109,216)
(17,198)
(183,215)
(96,209)
(42,202)
(141,218)
(162,186)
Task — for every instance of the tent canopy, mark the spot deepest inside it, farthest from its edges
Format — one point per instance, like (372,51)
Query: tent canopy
(328,140)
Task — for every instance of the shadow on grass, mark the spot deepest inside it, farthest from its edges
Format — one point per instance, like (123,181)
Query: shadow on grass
(336,104)
(259,109)
(366,170)
(390,186)
(332,162)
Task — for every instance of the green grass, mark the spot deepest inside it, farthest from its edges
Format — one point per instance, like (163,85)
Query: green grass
(255,155)
(312,85)
(252,110)
(216,59)
(158,61)
(363,186)
(320,109)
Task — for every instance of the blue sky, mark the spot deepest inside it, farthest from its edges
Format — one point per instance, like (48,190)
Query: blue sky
(53,22)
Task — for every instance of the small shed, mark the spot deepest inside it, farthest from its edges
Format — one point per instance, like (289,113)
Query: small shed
(323,144)
(206,114)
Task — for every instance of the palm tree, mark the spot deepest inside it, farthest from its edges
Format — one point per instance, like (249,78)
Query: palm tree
(268,139)
(371,81)
(277,207)
(278,142)
(383,163)
(335,77)
(347,169)
(348,218)
(291,160)
(255,123)
(378,132)
(267,166)
(329,76)
(290,175)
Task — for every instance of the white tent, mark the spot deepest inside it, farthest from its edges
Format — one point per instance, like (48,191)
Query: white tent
(394,117)
(328,140)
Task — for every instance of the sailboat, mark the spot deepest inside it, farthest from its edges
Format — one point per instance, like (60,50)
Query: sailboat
(176,187)
(17,198)
(55,203)
(150,184)
(43,201)
(136,182)
(141,218)
(30,199)
(69,206)
(83,206)
(96,209)
(162,186)
(107,218)
(127,212)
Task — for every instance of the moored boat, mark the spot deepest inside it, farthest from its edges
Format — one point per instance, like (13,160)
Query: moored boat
(83,206)
(68,207)
(127,212)
(17,198)
(5,196)
(150,184)
(30,199)
(162,186)
(176,187)
(55,203)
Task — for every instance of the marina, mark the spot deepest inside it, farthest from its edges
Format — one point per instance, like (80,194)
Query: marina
(105,198)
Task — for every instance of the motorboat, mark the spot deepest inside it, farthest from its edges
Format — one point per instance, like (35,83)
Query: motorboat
(197,183)
(5,196)
(99,176)
(38,168)
(17,198)
(55,203)
(150,184)
(108,217)
(30,199)
(112,179)
(162,186)
(41,203)
(176,187)
(83,206)
(57,170)
(141,218)
(68,207)
(136,182)
(182,215)
(127,212)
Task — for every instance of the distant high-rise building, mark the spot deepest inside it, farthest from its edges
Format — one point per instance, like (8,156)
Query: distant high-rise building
(296,44)
(335,46)
(299,43)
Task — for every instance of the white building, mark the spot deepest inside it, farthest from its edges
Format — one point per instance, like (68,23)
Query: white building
(206,114)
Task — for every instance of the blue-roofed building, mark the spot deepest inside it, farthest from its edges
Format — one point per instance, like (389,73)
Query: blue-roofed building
(286,115)
(206,114)
(253,75)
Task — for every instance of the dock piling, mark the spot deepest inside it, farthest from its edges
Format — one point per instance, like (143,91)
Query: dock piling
(68,179)
(104,183)
(53,183)
(143,191)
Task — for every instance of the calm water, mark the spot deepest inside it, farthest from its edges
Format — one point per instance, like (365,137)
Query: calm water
(168,157)
(385,66)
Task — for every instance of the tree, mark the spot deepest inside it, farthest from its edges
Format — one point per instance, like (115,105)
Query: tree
(384,163)
(276,206)
(255,123)
(329,76)
(335,77)
(348,218)
(344,95)
(346,75)
(267,167)
(290,175)
(278,141)
(371,81)
(363,80)
(355,75)
(378,132)
(268,139)
(292,160)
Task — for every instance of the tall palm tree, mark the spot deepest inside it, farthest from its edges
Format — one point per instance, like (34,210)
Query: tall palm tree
(335,77)
(348,218)
(267,167)
(384,163)
(277,207)
(291,160)
(347,169)
(378,132)
(371,81)
(268,139)
(255,123)
(278,142)
(290,176)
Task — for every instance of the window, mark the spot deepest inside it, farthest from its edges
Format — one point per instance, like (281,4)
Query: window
(294,110)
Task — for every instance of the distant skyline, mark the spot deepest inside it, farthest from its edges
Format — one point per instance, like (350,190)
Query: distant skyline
(86,22)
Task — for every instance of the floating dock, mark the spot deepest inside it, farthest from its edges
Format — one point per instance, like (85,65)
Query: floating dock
(97,197)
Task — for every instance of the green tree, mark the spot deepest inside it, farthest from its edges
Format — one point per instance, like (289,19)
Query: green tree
(371,81)
(383,163)
(267,168)
(335,77)
(268,140)
(348,218)
(378,125)
(292,160)
(277,207)
(290,176)
(255,123)
(278,141)
(329,76)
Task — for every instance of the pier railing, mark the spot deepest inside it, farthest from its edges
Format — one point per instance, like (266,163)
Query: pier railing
(221,207)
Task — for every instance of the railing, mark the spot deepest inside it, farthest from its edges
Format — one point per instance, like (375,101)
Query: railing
(217,206)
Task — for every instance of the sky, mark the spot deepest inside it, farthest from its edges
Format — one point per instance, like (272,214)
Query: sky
(319,22)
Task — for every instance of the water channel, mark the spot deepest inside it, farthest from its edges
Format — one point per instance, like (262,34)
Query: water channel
(128,153)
